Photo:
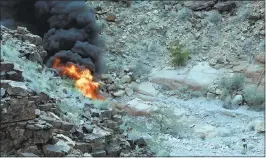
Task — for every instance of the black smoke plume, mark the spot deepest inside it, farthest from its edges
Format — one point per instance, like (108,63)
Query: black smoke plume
(68,28)
(73,34)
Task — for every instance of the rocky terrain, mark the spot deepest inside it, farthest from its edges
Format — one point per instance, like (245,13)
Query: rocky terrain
(150,107)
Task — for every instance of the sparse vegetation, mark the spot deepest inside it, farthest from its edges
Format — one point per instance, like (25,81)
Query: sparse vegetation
(231,84)
(179,55)
(164,120)
(254,96)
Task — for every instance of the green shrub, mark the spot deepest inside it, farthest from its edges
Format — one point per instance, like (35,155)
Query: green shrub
(231,84)
(179,55)
(253,96)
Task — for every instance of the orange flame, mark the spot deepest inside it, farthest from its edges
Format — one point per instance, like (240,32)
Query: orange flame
(82,77)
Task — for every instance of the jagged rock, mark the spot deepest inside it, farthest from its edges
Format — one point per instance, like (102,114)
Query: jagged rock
(137,140)
(55,123)
(126,79)
(68,141)
(32,149)
(42,98)
(35,57)
(15,88)
(111,124)
(14,75)
(106,114)
(83,147)
(199,5)
(113,87)
(113,149)
(34,39)
(52,115)
(119,93)
(87,128)
(60,149)
(225,6)
(97,136)
(46,107)
(22,30)
(5,66)
(18,110)
(38,133)
(129,91)
(66,126)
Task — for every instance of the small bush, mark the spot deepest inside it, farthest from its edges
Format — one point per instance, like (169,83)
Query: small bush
(231,84)
(253,96)
(179,55)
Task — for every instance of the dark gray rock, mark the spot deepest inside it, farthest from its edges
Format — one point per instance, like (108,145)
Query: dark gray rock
(87,128)
(225,6)
(3,75)
(59,149)
(83,147)
(18,110)
(200,5)
(5,66)
(66,126)
(46,107)
(113,149)
(14,75)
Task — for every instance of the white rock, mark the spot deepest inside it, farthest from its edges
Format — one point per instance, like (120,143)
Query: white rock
(201,75)
(119,93)
(210,95)
(218,91)
(52,115)
(87,155)
(206,131)
(257,125)
(237,100)
(37,112)
(106,76)
(141,105)
(126,79)
(147,88)
(129,91)
(69,141)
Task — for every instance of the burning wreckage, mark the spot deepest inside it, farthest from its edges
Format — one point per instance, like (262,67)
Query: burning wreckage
(71,38)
